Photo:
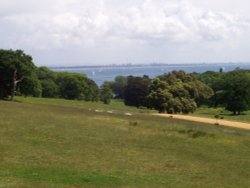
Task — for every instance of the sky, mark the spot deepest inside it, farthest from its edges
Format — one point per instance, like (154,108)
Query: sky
(101,32)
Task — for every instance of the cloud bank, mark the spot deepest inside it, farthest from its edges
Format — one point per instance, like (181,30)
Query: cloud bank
(90,24)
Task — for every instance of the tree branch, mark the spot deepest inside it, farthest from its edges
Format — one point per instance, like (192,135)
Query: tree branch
(21,79)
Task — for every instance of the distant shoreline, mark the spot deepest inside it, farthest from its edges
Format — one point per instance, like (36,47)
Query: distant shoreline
(147,65)
(108,72)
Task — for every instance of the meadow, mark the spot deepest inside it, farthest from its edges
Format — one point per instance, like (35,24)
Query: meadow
(60,143)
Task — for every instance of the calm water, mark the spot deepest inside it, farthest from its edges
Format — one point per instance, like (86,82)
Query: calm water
(101,74)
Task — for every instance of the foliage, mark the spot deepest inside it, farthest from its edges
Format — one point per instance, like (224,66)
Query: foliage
(158,95)
(91,93)
(67,85)
(118,86)
(235,94)
(187,85)
(44,73)
(106,93)
(49,89)
(76,86)
(212,79)
(231,89)
(17,67)
(177,92)
(136,91)
(31,86)
(48,78)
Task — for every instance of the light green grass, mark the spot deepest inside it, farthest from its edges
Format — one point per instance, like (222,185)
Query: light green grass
(211,112)
(115,105)
(59,144)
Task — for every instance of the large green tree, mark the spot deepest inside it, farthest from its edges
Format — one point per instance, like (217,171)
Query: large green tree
(118,86)
(213,80)
(76,86)
(177,92)
(48,82)
(17,71)
(235,91)
(189,84)
(106,93)
(136,91)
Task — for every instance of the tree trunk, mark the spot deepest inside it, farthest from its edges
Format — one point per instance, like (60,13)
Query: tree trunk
(1,91)
(14,84)
(13,90)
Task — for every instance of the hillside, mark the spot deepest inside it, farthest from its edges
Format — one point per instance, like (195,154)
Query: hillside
(60,143)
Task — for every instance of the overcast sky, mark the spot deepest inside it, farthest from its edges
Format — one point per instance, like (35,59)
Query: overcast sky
(91,32)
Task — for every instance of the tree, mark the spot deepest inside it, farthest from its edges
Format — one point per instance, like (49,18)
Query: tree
(76,86)
(48,82)
(177,92)
(44,73)
(49,89)
(235,91)
(199,91)
(159,95)
(91,92)
(118,86)
(17,67)
(106,93)
(171,99)
(136,91)
(70,86)
(30,86)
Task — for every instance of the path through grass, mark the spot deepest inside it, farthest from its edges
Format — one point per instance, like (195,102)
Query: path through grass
(211,112)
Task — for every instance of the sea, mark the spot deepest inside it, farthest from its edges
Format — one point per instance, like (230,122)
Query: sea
(107,73)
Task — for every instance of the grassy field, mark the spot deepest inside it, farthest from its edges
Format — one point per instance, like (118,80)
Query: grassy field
(211,112)
(59,143)
(116,106)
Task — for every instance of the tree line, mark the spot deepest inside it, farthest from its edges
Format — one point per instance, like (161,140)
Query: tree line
(231,89)
(19,76)
(173,92)
(179,92)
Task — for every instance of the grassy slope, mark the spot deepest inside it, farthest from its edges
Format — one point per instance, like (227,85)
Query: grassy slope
(64,145)
(119,107)
(116,105)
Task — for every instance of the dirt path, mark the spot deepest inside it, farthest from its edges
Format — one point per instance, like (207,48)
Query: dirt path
(208,120)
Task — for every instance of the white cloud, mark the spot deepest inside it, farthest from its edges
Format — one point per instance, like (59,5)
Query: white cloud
(83,23)
(65,24)
(178,23)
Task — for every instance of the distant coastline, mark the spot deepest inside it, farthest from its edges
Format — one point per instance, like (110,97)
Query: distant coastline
(149,65)
(101,73)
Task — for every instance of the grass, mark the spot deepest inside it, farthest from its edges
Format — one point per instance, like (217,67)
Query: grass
(59,143)
(211,112)
(115,105)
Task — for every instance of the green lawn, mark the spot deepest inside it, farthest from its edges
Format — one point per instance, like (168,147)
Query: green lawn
(116,106)
(59,143)
(211,112)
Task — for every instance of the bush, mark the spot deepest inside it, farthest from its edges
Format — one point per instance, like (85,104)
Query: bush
(133,123)
(194,133)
